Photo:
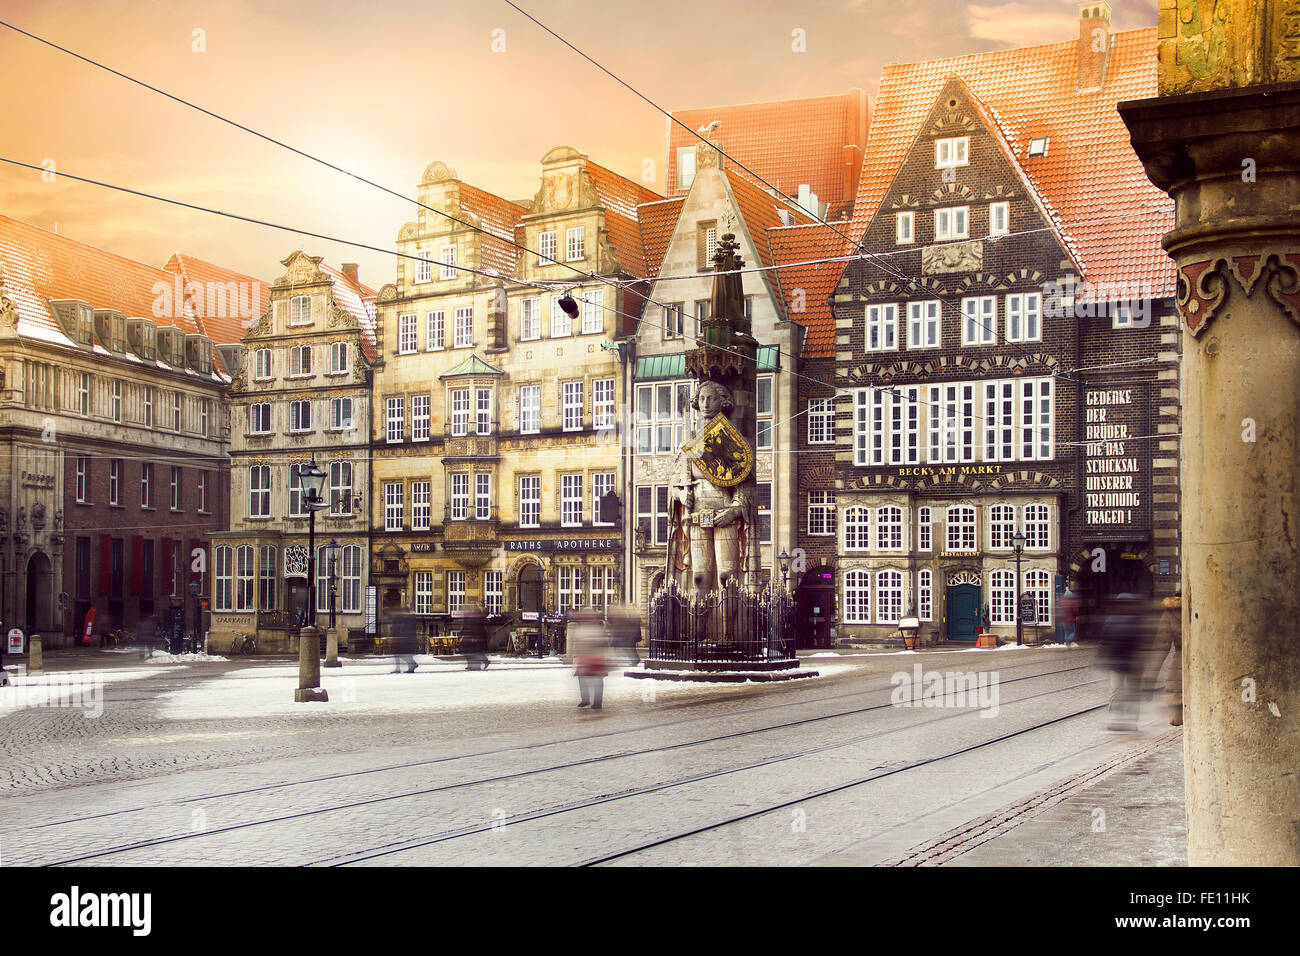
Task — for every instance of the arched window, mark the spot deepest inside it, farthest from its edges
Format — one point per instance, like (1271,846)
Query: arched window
(351,586)
(856,532)
(889,528)
(889,597)
(1002,525)
(223,596)
(1039,583)
(857,597)
(267,579)
(1002,595)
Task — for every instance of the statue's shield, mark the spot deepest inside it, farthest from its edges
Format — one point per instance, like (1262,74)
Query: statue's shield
(721,452)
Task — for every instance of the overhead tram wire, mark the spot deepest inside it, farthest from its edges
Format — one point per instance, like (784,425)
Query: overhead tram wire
(524,283)
(547,285)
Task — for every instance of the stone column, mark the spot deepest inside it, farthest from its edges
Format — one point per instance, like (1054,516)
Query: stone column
(309,688)
(332,649)
(1229,155)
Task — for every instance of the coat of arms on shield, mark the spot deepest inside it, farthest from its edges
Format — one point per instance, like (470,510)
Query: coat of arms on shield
(721,452)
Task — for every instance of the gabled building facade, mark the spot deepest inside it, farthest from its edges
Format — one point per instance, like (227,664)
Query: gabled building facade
(301,394)
(113,436)
(1006,350)
(716,204)
(496,411)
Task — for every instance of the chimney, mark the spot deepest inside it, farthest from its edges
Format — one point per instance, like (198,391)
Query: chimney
(350,270)
(1094,44)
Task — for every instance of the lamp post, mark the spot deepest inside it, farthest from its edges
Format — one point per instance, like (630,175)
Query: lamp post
(1018,542)
(311,480)
(785,566)
(332,552)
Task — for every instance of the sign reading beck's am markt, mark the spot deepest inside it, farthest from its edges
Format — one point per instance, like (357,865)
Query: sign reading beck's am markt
(1116,460)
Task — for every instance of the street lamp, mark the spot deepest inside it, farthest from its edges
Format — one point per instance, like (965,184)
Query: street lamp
(1018,543)
(785,566)
(332,552)
(311,479)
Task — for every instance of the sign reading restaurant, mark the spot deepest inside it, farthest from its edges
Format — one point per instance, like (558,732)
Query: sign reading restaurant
(1116,459)
(565,544)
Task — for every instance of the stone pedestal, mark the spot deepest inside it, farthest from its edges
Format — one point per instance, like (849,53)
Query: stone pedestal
(332,649)
(35,656)
(309,688)
(1231,161)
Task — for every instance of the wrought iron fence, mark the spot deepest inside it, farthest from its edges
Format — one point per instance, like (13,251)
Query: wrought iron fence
(733,624)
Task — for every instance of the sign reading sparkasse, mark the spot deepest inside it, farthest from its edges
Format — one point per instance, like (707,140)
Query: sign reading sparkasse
(1116,459)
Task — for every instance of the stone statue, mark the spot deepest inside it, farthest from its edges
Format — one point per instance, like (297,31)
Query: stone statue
(709,523)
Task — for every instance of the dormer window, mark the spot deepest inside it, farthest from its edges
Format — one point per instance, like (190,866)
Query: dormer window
(1038,146)
(953,151)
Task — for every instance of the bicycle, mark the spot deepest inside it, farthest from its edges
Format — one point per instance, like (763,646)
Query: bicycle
(245,645)
(120,638)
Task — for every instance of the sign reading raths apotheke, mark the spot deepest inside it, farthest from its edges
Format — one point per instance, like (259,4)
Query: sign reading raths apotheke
(565,544)
(1117,459)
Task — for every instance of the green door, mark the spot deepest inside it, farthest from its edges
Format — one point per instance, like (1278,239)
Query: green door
(963,612)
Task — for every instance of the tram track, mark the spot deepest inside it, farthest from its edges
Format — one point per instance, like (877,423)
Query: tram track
(403,846)
(433,761)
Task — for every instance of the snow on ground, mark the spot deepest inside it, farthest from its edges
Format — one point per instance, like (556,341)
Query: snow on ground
(371,687)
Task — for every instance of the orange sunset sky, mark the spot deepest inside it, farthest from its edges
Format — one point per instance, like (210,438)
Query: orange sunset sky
(388,86)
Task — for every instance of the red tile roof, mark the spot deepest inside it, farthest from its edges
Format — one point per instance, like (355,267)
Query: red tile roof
(805,290)
(40,265)
(221,321)
(1090,181)
(498,218)
(621,197)
(657,221)
(788,143)
(358,300)
(760,211)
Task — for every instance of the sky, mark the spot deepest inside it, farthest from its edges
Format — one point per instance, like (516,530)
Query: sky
(384,88)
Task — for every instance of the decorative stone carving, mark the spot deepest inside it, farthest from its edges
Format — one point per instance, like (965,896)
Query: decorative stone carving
(38,516)
(340,318)
(1214,44)
(58,520)
(957,257)
(20,523)
(1204,286)
(8,311)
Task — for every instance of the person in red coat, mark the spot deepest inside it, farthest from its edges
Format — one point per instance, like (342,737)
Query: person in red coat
(590,648)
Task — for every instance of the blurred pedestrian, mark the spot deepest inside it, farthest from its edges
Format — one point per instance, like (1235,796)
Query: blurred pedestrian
(473,636)
(590,657)
(1125,647)
(624,624)
(405,643)
(1067,610)
(1169,643)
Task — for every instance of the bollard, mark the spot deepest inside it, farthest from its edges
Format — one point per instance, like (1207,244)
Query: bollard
(309,688)
(35,656)
(332,649)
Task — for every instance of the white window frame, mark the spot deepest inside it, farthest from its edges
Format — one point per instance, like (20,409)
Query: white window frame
(1002,597)
(546,248)
(422,588)
(259,418)
(1002,526)
(561,323)
(340,487)
(571,500)
(951,151)
(483,495)
(447,263)
(408,333)
(821,421)
(857,528)
(857,597)
(1038,527)
(821,513)
(1024,317)
(458,402)
(925,594)
(459,495)
(463,335)
(979,320)
(394,505)
(259,491)
(530,409)
(262,365)
(493,591)
(394,419)
(1000,219)
(951,223)
(924,529)
(174,496)
(925,324)
(765,411)
(602,404)
(421,505)
(881,331)
(420,417)
(115,481)
(300,361)
(575,243)
(891,585)
(961,535)
(904,228)
(530,501)
(530,319)
(891,528)
(338,421)
(435,330)
(300,415)
(300,314)
(574,405)
(593,312)
(602,482)
(83,479)
(483,411)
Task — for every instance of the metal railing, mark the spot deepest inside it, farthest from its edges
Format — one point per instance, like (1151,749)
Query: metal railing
(732,624)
